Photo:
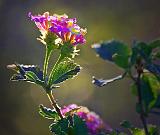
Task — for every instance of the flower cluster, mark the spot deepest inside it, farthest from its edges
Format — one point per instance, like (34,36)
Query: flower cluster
(94,123)
(64,28)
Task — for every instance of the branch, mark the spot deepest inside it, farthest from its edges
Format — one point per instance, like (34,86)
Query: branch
(140,102)
(54,104)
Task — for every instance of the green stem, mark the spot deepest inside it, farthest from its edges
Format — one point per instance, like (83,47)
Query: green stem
(54,104)
(45,66)
(142,116)
(139,68)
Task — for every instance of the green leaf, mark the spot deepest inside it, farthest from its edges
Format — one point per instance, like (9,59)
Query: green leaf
(79,127)
(28,73)
(32,77)
(153,130)
(66,127)
(114,51)
(61,127)
(121,61)
(150,90)
(140,50)
(147,53)
(64,70)
(155,46)
(137,131)
(144,49)
(48,113)
(153,85)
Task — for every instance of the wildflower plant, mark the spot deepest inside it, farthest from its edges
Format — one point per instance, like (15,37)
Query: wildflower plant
(58,33)
(140,63)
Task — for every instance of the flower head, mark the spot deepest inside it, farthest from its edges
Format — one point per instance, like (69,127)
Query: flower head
(64,28)
(94,123)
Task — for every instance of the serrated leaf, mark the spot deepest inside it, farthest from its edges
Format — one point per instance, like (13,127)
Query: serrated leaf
(109,49)
(64,70)
(48,113)
(26,73)
(33,68)
(61,127)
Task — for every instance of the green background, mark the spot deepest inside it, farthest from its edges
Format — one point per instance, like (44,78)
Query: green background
(126,20)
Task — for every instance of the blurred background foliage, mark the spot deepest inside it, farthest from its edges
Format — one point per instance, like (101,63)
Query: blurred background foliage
(105,19)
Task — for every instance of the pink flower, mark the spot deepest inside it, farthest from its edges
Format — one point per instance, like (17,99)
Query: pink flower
(63,27)
(94,123)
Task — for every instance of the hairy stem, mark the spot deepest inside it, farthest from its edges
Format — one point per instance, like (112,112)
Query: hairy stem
(140,102)
(54,104)
(45,66)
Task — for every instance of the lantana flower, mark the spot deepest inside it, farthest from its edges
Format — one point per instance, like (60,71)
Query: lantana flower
(63,27)
(93,122)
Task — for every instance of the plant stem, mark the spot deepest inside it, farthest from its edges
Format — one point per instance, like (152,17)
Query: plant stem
(142,113)
(45,66)
(54,104)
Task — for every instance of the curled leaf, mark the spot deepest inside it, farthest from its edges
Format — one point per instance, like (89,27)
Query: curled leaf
(48,113)
(101,82)
(29,73)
